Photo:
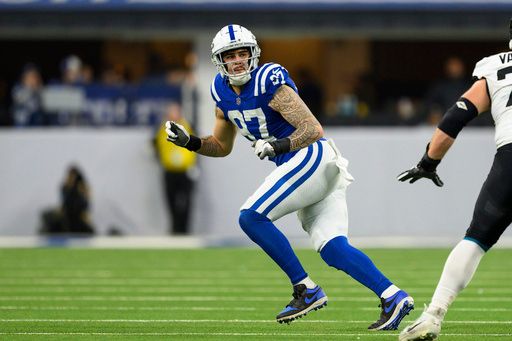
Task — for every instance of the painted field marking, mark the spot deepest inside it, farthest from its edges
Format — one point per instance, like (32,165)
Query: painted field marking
(218,321)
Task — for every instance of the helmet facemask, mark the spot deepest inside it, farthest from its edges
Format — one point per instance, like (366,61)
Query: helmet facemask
(241,77)
(234,37)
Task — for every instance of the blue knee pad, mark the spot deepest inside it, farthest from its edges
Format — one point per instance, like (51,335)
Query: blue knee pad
(248,218)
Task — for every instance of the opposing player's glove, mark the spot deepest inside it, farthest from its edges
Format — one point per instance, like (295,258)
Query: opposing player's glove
(426,168)
(178,135)
(263,148)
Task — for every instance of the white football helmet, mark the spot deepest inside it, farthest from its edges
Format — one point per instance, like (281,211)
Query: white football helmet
(234,37)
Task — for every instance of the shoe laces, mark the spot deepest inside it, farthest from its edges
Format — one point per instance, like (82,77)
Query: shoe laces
(382,301)
(381,305)
(298,292)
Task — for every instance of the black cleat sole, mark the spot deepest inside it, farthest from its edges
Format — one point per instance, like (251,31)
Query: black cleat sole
(290,320)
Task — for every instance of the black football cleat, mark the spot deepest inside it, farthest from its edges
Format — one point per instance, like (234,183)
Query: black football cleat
(304,301)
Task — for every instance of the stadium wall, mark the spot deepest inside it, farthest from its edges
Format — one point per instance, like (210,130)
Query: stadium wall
(127,191)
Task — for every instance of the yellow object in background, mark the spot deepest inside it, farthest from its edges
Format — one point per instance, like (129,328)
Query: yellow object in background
(174,158)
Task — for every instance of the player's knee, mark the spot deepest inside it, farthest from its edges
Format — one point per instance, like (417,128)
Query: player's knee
(249,218)
(336,252)
(484,241)
(485,232)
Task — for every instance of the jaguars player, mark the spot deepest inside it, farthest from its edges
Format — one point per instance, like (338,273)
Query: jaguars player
(492,91)
(311,175)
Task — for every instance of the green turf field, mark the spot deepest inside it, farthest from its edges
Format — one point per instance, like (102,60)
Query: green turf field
(219,294)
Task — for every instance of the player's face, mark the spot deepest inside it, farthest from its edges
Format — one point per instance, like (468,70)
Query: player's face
(237,61)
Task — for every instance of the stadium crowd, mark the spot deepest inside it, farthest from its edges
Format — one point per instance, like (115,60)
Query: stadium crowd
(78,98)
(109,97)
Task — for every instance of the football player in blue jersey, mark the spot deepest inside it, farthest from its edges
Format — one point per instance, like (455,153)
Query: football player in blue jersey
(311,177)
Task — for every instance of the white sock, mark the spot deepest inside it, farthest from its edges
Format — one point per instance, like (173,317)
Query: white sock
(390,291)
(457,273)
(307,282)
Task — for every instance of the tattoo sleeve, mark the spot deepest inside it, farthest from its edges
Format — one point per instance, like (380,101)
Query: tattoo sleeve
(220,143)
(210,147)
(307,128)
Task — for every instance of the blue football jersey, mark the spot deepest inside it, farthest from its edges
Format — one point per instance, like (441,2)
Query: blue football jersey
(250,111)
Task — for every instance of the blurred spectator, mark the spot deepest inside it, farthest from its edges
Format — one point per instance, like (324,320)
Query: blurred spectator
(73,214)
(71,70)
(64,100)
(156,69)
(365,92)
(112,76)
(347,105)
(26,98)
(87,74)
(444,93)
(407,113)
(347,110)
(180,173)
(311,93)
(175,75)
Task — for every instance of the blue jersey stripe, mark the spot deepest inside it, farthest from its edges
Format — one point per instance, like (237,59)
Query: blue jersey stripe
(282,181)
(297,183)
(231,32)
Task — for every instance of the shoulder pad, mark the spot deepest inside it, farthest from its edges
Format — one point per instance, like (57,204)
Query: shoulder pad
(486,66)
(270,77)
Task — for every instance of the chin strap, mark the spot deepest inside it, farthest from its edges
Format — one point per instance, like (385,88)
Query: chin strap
(238,81)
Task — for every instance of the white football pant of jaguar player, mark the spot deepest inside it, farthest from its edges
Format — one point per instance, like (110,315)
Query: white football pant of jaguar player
(313,183)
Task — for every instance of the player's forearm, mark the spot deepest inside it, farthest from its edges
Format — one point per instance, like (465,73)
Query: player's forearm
(306,133)
(439,145)
(210,146)
(297,113)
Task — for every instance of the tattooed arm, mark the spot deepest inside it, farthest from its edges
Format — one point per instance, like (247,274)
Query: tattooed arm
(221,142)
(293,109)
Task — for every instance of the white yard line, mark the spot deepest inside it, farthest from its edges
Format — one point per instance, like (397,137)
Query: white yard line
(201,308)
(337,334)
(483,298)
(132,308)
(217,321)
(214,289)
(209,334)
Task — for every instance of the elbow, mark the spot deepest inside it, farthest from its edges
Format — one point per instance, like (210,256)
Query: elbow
(320,131)
(225,151)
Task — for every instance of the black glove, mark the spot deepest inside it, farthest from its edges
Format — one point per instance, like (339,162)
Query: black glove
(178,135)
(426,168)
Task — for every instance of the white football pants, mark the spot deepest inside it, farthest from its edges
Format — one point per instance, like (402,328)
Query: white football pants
(312,183)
